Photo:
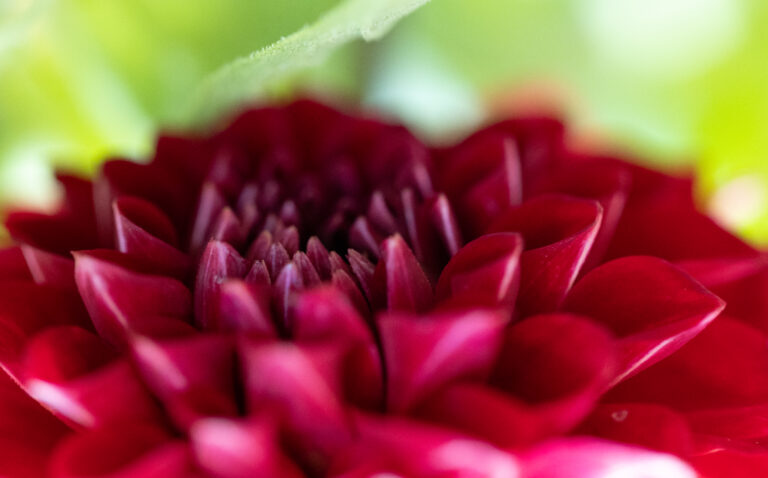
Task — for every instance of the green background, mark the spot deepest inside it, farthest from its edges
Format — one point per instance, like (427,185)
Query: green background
(679,83)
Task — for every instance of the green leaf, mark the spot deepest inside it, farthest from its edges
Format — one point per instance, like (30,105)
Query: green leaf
(248,77)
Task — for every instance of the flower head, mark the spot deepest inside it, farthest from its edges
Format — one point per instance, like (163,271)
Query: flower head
(308,293)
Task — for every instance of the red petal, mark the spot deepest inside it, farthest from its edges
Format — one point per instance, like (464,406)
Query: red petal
(193,376)
(647,425)
(127,451)
(563,373)
(425,353)
(485,271)
(245,308)
(401,448)
(143,230)
(50,269)
(653,307)
(399,281)
(726,366)
(558,232)
(110,293)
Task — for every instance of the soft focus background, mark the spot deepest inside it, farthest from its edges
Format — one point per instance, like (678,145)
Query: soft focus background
(678,83)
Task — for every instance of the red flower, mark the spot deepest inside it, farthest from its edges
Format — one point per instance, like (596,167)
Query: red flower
(308,293)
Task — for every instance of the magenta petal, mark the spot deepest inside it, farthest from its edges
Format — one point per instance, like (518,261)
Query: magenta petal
(580,354)
(240,449)
(485,271)
(425,353)
(399,281)
(110,291)
(652,306)
(219,261)
(245,307)
(555,247)
(126,451)
(143,230)
(591,458)
(727,459)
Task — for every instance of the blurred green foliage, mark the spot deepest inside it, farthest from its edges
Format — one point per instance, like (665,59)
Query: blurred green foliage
(680,82)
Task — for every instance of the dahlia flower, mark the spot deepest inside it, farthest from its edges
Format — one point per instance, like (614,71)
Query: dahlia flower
(309,293)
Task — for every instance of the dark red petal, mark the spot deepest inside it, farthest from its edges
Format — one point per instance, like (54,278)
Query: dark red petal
(482,177)
(58,233)
(244,449)
(591,458)
(558,232)
(485,271)
(126,451)
(110,293)
(424,353)
(558,363)
(642,424)
(219,261)
(28,308)
(399,281)
(653,307)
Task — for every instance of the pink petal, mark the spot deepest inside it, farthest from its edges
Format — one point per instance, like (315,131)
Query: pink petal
(219,261)
(302,383)
(558,232)
(424,353)
(245,449)
(591,458)
(653,307)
